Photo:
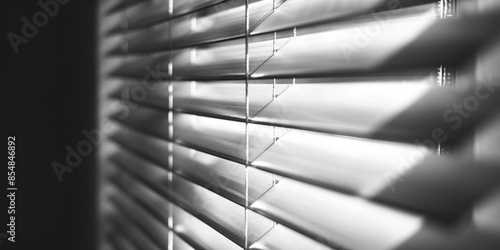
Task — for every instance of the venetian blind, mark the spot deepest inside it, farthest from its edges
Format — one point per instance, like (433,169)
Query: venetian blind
(271,124)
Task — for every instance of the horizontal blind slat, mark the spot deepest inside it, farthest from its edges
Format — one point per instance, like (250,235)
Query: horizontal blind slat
(297,13)
(368,45)
(151,226)
(139,238)
(222,215)
(341,218)
(224,176)
(283,238)
(198,234)
(143,195)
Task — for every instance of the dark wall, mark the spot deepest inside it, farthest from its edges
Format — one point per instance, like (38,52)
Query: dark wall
(48,91)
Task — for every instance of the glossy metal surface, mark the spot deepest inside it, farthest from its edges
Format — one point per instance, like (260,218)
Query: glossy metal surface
(295,13)
(198,234)
(343,219)
(355,165)
(226,178)
(283,238)
(152,148)
(153,121)
(223,215)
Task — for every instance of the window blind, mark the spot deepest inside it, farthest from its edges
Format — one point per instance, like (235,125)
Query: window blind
(293,124)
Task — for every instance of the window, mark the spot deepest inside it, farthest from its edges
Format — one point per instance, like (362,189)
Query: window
(269,124)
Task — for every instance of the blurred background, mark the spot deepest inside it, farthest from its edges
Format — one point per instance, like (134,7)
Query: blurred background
(48,98)
(255,124)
